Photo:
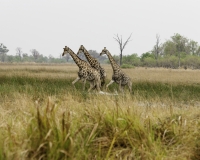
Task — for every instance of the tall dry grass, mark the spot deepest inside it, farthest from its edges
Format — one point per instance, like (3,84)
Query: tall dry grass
(43,117)
(99,127)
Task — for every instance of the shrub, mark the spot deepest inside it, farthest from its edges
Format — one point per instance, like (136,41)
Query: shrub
(126,66)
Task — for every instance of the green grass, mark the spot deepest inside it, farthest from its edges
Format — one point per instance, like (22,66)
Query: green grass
(52,86)
(166,90)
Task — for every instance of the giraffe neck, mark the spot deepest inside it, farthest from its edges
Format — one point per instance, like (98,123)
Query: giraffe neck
(76,59)
(87,55)
(114,65)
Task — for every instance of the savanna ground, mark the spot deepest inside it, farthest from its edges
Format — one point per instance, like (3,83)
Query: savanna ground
(43,117)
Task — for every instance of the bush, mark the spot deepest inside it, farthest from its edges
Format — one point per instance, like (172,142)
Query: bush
(192,62)
(149,62)
(126,66)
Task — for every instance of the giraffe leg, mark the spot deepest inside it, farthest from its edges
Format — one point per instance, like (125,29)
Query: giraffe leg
(98,84)
(130,86)
(92,84)
(84,81)
(109,84)
(103,83)
(103,80)
(76,80)
(120,86)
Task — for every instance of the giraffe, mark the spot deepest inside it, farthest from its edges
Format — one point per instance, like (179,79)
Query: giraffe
(86,72)
(118,75)
(94,64)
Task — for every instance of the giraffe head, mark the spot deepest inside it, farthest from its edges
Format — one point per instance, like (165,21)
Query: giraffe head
(66,50)
(81,49)
(104,51)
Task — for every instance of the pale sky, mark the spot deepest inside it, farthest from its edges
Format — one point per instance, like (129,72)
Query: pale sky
(49,25)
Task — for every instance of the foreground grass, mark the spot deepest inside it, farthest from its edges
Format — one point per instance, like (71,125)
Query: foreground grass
(43,117)
(71,127)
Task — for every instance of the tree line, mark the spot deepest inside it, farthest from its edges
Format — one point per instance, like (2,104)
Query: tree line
(176,52)
(37,57)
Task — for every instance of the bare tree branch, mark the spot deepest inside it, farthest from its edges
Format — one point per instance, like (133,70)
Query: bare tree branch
(127,41)
(121,45)
(119,41)
(19,52)
(157,48)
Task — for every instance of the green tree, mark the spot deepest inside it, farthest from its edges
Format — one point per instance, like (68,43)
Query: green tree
(146,55)
(35,53)
(169,48)
(149,62)
(3,51)
(174,62)
(192,61)
(132,59)
(181,43)
(198,51)
(193,47)
(10,58)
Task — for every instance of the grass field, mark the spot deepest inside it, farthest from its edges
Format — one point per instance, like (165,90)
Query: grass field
(43,117)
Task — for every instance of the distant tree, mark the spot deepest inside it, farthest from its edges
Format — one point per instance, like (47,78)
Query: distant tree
(174,62)
(96,55)
(50,56)
(146,55)
(181,43)
(121,45)
(35,53)
(19,53)
(198,51)
(157,48)
(193,46)
(3,51)
(169,48)
(24,55)
(10,58)
(81,56)
(149,62)
(132,59)
(192,61)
